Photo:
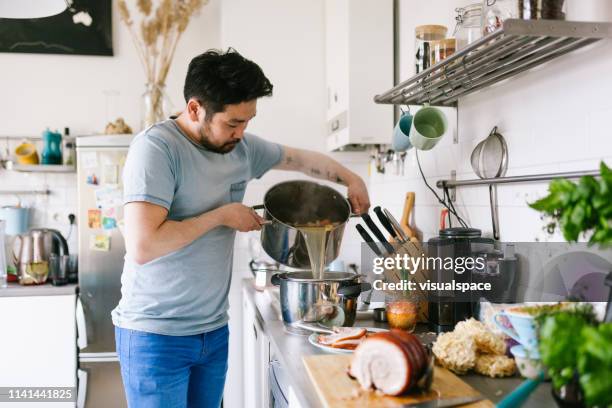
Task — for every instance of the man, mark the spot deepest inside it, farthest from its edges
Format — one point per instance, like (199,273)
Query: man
(184,182)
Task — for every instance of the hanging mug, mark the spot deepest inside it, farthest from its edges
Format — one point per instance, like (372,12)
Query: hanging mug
(401,132)
(429,126)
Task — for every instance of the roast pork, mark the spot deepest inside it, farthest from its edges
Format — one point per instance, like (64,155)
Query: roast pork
(391,362)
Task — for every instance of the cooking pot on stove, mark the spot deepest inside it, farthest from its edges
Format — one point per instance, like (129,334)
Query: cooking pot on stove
(299,203)
(331,301)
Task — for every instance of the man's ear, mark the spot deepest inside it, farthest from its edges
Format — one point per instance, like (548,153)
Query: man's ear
(192,109)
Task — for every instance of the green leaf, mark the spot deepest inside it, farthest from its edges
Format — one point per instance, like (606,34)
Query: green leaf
(606,172)
(579,215)
(547,204)
(595,364)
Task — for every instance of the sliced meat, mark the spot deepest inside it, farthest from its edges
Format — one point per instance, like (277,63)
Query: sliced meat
(389,362)
(348,344)
(344,333)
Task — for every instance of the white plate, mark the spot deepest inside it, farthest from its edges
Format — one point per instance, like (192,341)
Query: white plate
(313,339)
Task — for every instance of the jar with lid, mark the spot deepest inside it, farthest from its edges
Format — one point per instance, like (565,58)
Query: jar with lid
(469,24)
(425,36)
(495,12)
(442,49)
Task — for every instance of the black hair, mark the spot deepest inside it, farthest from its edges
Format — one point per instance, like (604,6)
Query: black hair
(216,78)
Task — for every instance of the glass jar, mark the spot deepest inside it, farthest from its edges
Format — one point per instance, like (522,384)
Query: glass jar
(495,12)
(469,24)
(402,312)
(425,35)
(442,49)
(541,9)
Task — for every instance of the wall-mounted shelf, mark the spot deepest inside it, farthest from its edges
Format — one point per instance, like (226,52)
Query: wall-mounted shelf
(519,46)
(43,168)
(25,192)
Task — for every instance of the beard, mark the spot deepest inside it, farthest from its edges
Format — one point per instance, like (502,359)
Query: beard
(209,145)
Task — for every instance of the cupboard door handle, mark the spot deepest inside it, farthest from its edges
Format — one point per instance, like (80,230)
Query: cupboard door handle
(255,331)
(335,125)
(81,325)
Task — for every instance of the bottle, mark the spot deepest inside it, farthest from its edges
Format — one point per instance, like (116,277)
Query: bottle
(52,153)
(68,148)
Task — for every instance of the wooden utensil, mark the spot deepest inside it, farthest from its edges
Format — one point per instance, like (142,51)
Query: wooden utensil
(337,390)
(408,207)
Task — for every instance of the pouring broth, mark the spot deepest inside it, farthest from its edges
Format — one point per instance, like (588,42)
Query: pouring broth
(316,236)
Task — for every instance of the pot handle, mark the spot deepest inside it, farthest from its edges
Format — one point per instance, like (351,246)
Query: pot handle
(275,279)
(261,207)
(354,290)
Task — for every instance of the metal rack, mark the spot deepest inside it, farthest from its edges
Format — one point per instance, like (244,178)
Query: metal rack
(25,192)
(44,168)
(519,46)
(452,184)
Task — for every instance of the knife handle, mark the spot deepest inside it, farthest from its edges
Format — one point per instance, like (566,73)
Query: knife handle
(377,233)
(368,239)
(385,221)
(517,397)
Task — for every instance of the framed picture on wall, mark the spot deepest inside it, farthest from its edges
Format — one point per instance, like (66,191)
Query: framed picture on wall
(84,28)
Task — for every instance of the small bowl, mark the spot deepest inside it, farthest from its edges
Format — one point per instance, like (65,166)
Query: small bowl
(380,314)
(529,363)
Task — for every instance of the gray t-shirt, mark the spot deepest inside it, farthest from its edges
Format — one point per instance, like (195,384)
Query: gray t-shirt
(185,292)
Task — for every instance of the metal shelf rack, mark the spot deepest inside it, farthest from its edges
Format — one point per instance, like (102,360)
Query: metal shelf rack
(25,192)
(43,168)
(519,46)
(451,184)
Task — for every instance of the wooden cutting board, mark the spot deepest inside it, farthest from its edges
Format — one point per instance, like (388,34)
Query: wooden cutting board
(337,390)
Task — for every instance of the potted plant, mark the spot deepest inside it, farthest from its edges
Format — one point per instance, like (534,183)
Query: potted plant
(577,351)
(581,208)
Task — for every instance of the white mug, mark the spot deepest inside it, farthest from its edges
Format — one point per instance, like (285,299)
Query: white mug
(429,125)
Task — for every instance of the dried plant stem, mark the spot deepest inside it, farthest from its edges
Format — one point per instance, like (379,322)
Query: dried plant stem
(156,42)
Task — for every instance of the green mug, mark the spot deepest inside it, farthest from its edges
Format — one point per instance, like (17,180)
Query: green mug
(429,126)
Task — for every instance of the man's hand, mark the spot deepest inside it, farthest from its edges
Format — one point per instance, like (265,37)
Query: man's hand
(358,195)
(240,217)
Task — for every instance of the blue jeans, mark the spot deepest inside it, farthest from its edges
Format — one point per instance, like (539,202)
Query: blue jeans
(173,371)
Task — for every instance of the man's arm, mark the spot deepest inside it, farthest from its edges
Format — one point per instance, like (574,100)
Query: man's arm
(324,167)
(150,235)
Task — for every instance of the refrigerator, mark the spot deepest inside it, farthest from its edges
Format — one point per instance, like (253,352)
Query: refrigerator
(100,161)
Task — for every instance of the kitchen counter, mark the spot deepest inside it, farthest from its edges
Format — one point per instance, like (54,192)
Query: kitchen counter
(290,349)
(16,290)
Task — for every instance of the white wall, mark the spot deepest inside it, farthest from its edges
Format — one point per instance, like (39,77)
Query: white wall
(83,93)
(286,39)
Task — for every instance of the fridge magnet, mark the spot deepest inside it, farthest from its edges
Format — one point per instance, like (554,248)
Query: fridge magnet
(109,196)
(92,179)
(94,218)
(89,160)
(109,223)
(110,212)
(99,242)
(110,174)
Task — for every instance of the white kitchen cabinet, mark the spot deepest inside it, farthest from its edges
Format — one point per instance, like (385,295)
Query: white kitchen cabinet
(38,343)
(359,63)
(256,352)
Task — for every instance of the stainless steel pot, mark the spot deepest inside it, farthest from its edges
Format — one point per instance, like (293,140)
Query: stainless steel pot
(298,203)
(331,301)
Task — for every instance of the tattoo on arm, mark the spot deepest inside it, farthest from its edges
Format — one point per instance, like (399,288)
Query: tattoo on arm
(315,172)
